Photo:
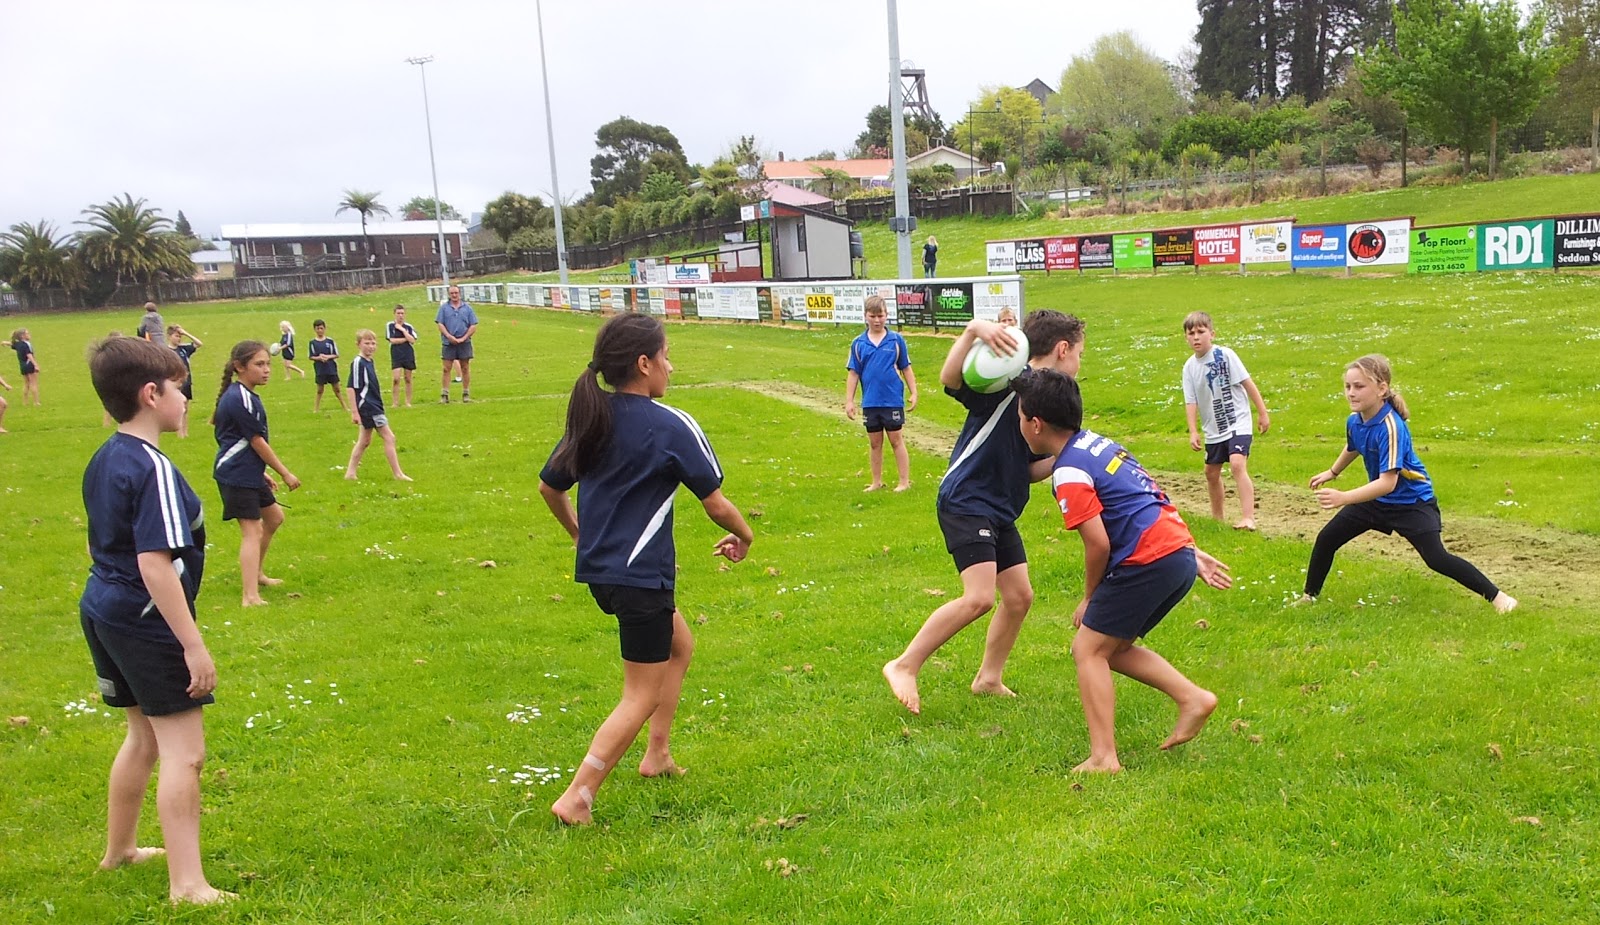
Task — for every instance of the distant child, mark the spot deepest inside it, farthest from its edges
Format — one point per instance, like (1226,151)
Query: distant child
(930,257)
(28,363)
(3,404)
(366,408)
(1215,384)
(325,363)
(980,498)
(1398,496)
(1006,316)
(286,350)
(176,337)
(243,456)
(628,453)
(402,352)
(1139,561)
(151,327)
(879,359)
(147,540)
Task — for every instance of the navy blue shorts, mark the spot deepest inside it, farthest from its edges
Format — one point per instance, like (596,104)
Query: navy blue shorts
(881,419)
(133,671)
(1218,453)
(971,540)
(644,620)
(1132,599)
(240,503)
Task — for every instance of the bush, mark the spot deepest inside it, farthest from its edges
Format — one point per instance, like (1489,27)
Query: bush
(1418,155)
(1223,134)
(531,239)
(1374,153)
(1288,156)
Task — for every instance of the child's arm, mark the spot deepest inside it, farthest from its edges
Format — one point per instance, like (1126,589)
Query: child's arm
(911,389)
(560,504)
(259,444)
(1332,497)
(990,332)
(1196,442)
(1262,419)
(355,410)
(1211,570)
(1096,553)
(192,339)
(736,545)
(5,383)
(1332,472)
(166,590)
(851,380)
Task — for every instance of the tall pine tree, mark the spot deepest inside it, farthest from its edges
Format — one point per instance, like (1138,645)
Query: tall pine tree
(1261,48)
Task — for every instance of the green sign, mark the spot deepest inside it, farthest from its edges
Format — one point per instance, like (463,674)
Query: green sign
(1516,245)
(1444,250)
(1133,251)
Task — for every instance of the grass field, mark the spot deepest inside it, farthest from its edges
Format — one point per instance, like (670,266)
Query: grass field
(1396,753)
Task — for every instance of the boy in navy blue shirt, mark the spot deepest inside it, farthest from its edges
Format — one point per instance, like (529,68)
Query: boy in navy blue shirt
(176,336)
(879,360)
(147,543)
(325,363)
(366,408)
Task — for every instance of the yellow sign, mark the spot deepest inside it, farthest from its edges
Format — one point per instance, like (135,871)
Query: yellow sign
(819,302)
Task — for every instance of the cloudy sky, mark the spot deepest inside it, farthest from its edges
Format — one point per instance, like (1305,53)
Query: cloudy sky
(258,112)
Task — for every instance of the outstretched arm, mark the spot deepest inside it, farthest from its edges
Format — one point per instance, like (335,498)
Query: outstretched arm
(990,332)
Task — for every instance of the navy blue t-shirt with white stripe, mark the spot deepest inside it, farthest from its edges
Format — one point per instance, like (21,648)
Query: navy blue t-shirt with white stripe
(364,380)
(138,501)
(625,504)
(988,474)
(240,417)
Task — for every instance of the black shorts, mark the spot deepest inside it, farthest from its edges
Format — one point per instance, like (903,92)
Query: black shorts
(407,360)
(1218,453)
(1132,599)
(374,421)
(328,379)
(880,419)
(188,389)
(245,503)
(287,353)
(1408,520)
(644,620)
(971,540)
(136,672)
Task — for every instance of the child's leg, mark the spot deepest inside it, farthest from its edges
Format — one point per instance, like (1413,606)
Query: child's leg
(1091,652)
(339,394)
(1240,464)
(1432,550)
(31,384)
(642,684)
(1195,703)
(391,453)
(1016,597)
(3,407)
(356,451)
(658,753)
(902,459)
(1344,527)
(408,388)
(181,740)
(977,597)
(251,549)
(271,520)
(394,385)
(317,405)
(130,778)
(1214,489)
(875,458)
(183,423)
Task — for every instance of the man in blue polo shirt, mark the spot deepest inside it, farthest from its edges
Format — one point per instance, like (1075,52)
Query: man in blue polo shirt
(457,323)
(878,360)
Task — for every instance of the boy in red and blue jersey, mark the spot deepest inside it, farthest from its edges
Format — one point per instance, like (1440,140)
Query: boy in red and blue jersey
(1139,562)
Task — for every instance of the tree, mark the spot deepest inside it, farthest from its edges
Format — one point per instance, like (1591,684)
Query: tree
(182,226)
(1254,49)
(365,204)
(661,186)
(879,132)
(833,182)
(512,212)
(1457,66)
(1121,88)
(1321,39)
(1566,114)
(130,242)
(420,208)
(626,147)
(1238,48)
(33,257)
(1004,122)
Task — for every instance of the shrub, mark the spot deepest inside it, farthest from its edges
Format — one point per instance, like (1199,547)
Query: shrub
(1374,153)
(1289,156)
(531,239)
(1418,155)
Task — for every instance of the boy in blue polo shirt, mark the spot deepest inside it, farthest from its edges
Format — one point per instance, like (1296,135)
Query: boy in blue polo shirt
(1139,561)
(325,363)
(147,543)
(366,408)
(879,360)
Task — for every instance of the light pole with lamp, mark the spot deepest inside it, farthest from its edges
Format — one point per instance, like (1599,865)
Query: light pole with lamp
(438,209)
(550,131)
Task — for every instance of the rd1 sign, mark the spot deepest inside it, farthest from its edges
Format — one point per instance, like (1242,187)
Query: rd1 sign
(1516,245)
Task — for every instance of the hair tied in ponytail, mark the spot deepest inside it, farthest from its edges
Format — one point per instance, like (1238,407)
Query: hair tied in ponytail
(594,367)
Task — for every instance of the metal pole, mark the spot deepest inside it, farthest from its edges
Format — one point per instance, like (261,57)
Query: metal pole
(550,131)
(438,209)
(897,122)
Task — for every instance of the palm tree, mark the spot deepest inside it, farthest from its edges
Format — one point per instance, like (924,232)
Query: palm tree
(133,242)
(32,257)
(366,204)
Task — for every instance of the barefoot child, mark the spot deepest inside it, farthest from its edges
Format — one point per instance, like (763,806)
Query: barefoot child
(1398,496)
(628,453)
(28,364)
(879,359)
(176,336)
(980,498)
(286,349)
(147,541)
(366,408)
(325,363)
(1139,561)
(402,352)
(243,456)
(1215,384)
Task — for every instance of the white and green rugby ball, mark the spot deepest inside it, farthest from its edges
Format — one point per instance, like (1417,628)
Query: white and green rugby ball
(987,371)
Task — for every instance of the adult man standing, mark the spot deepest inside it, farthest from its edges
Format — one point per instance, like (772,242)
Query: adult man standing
(457,323)
(151,327)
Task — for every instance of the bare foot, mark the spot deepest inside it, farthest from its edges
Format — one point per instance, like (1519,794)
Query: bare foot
(904,685)
(875,486)
(136,856)
(1504,603)
(991,688)
(402,477)
(1099,766)
(350,476)
(1192,718)
(573,809)
(653,766)
(204,896)
(266,582)
(902,486)
(252,602)
(1245,525)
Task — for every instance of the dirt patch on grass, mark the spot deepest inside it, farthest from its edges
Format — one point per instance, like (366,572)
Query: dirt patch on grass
(1531,563)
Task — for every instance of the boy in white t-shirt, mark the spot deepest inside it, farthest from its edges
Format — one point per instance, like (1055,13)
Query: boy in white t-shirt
(1215,384)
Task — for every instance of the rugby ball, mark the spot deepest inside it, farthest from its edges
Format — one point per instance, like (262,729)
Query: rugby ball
(274,349)
(987,371)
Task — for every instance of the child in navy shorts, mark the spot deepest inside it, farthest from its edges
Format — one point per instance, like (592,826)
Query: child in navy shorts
(147,541)
(628,453)
(879,360)
(1139,561)
(325,363)
(366,409)
(176,336)
(1215,385)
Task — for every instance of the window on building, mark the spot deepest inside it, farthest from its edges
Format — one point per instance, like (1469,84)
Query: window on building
(210,268)
(394,248)
(334,247)
(433,246)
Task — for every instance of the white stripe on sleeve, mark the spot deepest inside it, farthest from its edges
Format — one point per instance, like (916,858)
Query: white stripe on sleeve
(699,436)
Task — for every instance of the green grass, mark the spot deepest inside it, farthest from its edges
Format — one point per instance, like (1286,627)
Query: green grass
(1375,759)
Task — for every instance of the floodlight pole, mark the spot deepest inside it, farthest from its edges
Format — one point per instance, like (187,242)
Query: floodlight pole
(897,123)
(438,209)
(550,132)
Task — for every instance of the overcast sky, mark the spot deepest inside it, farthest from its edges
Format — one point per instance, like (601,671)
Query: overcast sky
(257,112)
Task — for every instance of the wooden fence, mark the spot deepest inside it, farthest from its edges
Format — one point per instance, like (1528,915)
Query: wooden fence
(996,200)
